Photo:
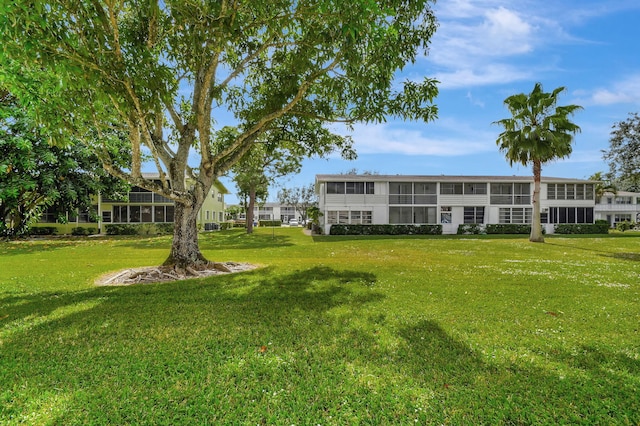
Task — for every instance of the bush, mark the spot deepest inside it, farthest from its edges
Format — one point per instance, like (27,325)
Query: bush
(269,223)
(164,228)
(508,228)
(43,230)
(600,227)
(82,231)
(122,229)
(471,229)
(226,225)
(624,226)
(340,229)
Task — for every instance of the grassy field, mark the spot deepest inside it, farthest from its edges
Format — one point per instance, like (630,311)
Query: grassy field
(331,330)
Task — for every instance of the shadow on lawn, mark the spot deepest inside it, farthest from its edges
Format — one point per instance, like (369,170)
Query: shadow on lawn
(193,349)
(603,253)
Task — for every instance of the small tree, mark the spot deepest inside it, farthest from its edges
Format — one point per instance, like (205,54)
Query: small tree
(623,154)
(300,198)
(539,131)
(604,185)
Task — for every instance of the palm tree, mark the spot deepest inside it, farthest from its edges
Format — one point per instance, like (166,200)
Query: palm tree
(604,185)
(539,131)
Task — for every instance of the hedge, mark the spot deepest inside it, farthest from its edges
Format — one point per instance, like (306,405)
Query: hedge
(470,229)
(269,223)
(508,228)
(80,230)
(43,230)
(341,229)
(600,227)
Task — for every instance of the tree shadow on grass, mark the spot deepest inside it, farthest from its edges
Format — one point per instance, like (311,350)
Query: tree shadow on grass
(313,345)
(633,256)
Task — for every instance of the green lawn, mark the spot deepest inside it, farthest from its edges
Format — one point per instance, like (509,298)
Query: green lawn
(331,330)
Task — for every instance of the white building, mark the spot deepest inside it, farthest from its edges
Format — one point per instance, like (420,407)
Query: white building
(273,211)
(620,207)
(451,200)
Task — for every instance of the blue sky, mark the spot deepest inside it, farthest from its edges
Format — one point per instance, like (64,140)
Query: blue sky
(487,50)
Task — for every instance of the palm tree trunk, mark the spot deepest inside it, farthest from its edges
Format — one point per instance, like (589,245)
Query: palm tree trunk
(536,226)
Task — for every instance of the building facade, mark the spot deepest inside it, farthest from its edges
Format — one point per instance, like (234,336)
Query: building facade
(620,207)
(451,200)
(139,206)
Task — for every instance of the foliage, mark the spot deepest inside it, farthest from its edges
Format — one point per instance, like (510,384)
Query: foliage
(471,229)
(508,228)
(139,229)
(43,230)
(82,231)
(625,226)
(333,330)
(605,184)
(623,154)
(269,223)
(35,175)
(300,198)
(340,229)
(173,70)
(600,227)
(538,132)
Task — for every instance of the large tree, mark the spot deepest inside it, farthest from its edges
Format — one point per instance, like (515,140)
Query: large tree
(538,131)
(623,154)
(35,175)
(173,70)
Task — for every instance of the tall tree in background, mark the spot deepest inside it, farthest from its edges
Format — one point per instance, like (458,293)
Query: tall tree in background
(604,185)
(278,154)
(623,154)
(172,70)
(538,132)
(35,176)
(300,198)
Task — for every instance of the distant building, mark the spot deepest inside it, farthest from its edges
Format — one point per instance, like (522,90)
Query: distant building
(139,206)
(451,200)
(620,207)
(273,211)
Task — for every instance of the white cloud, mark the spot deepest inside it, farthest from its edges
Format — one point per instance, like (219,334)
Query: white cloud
(624,91)
(482,75)
(388,139)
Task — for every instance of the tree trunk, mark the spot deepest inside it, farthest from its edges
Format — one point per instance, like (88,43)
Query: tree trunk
(184,249)
(536,226)
(252,203)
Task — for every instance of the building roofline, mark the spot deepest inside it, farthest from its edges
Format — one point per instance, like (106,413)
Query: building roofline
(443,178)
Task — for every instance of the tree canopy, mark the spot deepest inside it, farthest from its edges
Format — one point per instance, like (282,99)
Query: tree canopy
(623,154)
(174,72)
(538,131)
(35,175)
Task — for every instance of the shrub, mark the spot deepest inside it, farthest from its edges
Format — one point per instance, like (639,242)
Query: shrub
(226,225)
(164,228)
(624,226)
(43,230)
(342,229)
(80,230)
(582,228)
(508,228)
(269,223)
(122,229)
(470,229)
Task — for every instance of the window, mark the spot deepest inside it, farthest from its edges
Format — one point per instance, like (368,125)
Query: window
(522,193)
(501,193)
(367,217)
(551,191)
(425,193)
(158,213)
(356,217)
(350,187)
(514,215)
(475,188)
(134,214)
(341,216)
(106,217)
(400,215)
(450,188)
(145,214)
(622,218)
(423,215)
(335,187)
(570,215)
(445,214)
(120,214)
(400,193)
(474,215)
(624,200)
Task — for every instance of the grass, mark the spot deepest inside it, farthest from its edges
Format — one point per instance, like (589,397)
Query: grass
(331,330)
